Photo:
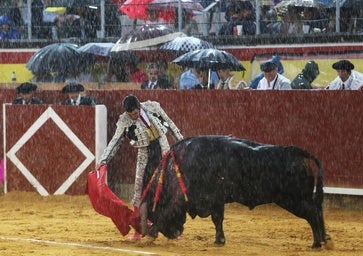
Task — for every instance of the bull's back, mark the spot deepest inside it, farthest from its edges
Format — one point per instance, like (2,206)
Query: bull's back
(239,170)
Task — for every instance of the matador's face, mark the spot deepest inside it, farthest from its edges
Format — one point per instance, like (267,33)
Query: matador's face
(134,114)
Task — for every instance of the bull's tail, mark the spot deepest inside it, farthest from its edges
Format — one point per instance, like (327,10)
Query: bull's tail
(319,193)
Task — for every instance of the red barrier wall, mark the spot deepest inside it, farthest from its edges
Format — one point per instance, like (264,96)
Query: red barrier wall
(51,148)
(326,123)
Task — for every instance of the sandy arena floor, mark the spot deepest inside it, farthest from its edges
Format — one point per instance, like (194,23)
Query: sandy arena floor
(68,225)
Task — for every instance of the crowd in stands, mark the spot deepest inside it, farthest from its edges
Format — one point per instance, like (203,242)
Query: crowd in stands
(76,21)
(157,76)
(83,22)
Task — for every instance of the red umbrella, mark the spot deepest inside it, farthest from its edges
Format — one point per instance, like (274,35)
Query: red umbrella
(137,9)
(189,5)
(105,202)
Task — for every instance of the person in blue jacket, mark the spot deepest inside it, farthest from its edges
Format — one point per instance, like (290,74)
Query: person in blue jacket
(7,31)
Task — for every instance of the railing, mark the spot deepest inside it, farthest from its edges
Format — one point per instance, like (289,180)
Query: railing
(111,29)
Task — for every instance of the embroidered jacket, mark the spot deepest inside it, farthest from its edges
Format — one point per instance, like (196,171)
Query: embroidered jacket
(137,132)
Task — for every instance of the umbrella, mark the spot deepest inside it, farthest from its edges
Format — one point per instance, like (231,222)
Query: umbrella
(125,57)
(105,202)
(212,59)
(137,9)
(342,3)
(299,3)
(101,49)
(185,44)
(185,4)
(145,36)
(59,57)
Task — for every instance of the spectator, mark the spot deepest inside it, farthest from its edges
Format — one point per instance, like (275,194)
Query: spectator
(228,81)
(84,27)
(23,6)
(112,21)
(309,73)
(7,32)
(272,80)
(204,82)
(292,22)
(37,18)
(357,21)
(157,17)
(248,18)
(49,20)
(189,25)
(135,74)
(254,82)
(75,97)
(152,16)
(188,79)
(25,93)
(116,72)
(234,12)
(16,16)
(145,125)
(347,78)
(315,20)
(210,14)
(164,71)
(270,24)
(154,80)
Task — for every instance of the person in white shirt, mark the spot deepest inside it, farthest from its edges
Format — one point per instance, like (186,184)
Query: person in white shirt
(227,80)
(272,80)
(347,78)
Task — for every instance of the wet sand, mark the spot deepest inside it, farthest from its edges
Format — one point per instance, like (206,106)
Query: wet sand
(68,225)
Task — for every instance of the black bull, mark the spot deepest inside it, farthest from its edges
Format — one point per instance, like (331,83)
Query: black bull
(221,169)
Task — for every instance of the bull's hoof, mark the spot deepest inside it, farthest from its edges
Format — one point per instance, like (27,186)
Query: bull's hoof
(328,244)
(220,242)
(147,240)
(316,246)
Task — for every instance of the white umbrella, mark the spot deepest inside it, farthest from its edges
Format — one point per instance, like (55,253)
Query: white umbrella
(185,44)
(146,36)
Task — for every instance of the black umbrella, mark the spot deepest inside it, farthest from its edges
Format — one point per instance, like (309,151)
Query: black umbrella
(125,57)
(212,59)
(97,48)
(59,57)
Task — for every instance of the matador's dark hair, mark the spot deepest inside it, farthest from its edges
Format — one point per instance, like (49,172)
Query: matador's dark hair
(130,103)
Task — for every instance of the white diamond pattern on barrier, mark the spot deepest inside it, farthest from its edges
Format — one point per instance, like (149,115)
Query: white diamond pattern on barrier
(50,114)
